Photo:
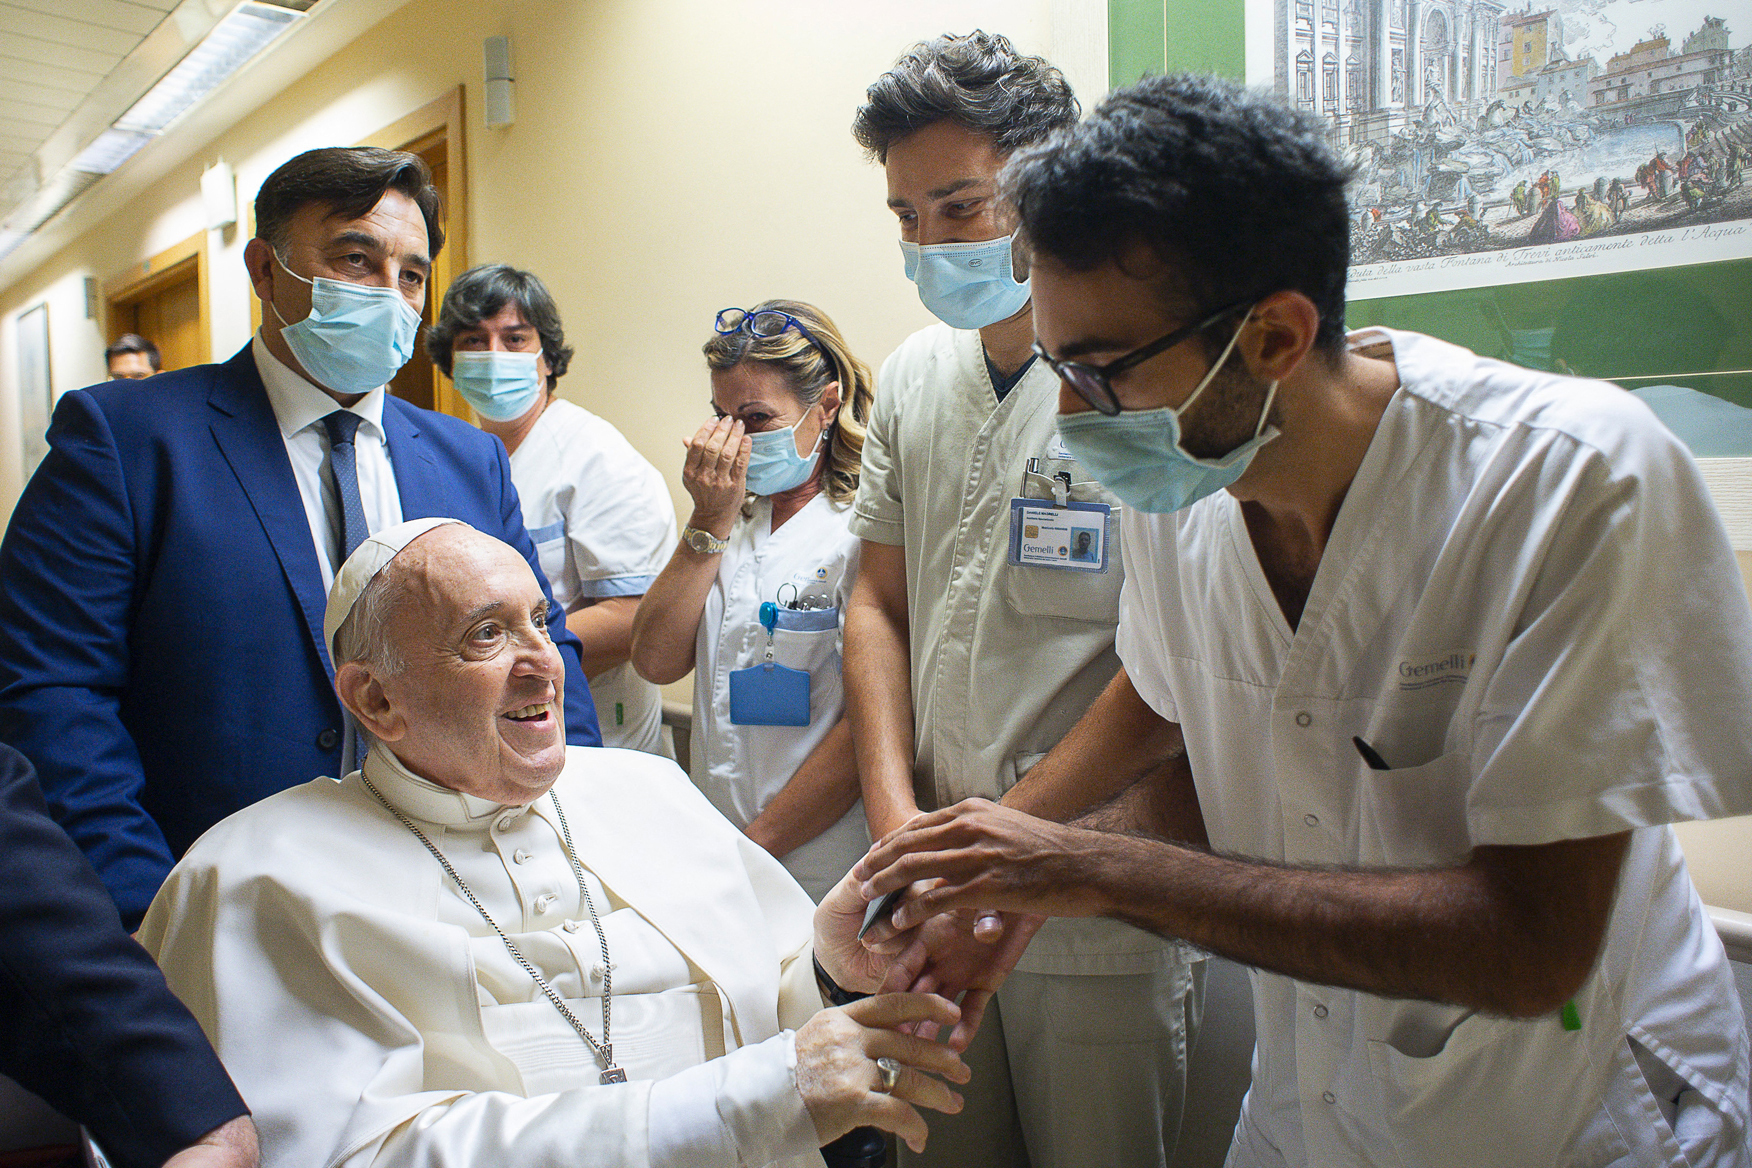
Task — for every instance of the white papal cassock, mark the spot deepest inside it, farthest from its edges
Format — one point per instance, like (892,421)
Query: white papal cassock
(370,1016)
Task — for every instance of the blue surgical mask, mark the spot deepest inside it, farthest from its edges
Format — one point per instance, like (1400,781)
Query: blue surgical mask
(774,466)
(499,386)
(966,285)
(1137,454)
(356,337)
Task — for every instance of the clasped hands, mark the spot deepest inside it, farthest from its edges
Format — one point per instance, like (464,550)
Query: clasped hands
(983,880)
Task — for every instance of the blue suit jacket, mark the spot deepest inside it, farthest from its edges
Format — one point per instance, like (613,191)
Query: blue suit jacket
(161,605)
(86,1020)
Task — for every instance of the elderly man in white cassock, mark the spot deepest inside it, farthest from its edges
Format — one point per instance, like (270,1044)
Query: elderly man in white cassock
(485,947)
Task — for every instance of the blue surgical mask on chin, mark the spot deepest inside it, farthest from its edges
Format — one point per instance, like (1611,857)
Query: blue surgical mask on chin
(1137,454)
(774,466)
(499,386)
(967,285)
(356,337)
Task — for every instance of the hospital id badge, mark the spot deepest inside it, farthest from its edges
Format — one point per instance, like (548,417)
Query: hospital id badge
(769,694)
(1071,538)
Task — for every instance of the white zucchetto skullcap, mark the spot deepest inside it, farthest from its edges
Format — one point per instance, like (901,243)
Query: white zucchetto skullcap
(362,567)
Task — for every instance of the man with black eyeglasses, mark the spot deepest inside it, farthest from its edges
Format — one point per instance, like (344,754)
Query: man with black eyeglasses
(975,638)
(1422,655)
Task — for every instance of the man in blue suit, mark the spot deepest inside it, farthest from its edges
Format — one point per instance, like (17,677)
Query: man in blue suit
(163,579)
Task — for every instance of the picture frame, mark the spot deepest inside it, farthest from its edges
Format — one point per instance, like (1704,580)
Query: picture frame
(36,392)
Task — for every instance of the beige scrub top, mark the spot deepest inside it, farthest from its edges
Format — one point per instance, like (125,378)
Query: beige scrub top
(1005,658)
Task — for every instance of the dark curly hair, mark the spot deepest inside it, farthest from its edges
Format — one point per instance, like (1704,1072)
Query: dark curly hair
(1237,195)
(978,81)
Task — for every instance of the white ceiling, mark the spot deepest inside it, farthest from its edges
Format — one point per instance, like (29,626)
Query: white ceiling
(53,55)
(114,85)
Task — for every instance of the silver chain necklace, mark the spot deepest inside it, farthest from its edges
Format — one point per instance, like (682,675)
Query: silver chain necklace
(605,1049)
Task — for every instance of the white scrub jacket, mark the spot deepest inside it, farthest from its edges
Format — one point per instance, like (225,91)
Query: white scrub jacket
(603,526)
(813,557)
(1527,606)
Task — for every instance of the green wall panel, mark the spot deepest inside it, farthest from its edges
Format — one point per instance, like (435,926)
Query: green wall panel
(1135,39)
(1157,36)
(1688,325)
(1681,326)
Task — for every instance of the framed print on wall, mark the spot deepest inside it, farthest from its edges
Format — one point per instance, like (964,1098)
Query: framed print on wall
(36,394)
(1495,146)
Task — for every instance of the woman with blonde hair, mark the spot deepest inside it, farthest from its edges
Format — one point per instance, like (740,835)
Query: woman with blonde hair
(753,598)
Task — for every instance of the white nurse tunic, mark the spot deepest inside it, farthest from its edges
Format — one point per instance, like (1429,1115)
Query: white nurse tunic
(603,526)
(814,557)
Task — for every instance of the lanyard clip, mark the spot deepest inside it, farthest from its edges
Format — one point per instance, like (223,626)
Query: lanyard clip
(769,620)
(1059,484)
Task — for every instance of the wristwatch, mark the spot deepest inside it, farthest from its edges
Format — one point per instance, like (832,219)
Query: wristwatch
(703,542)
(830,989)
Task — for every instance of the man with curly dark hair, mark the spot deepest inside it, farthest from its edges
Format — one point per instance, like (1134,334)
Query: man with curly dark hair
(972,644)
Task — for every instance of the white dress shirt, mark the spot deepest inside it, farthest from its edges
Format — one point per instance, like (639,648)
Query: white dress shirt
(299,408)
(603,526)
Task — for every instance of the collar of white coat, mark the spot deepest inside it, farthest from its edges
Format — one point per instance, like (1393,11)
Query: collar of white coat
(425,801)
(298,404)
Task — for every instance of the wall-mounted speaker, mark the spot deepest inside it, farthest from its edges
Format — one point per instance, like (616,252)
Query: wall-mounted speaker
(501,88)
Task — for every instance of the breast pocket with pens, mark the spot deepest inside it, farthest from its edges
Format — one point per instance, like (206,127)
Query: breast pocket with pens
(771,694)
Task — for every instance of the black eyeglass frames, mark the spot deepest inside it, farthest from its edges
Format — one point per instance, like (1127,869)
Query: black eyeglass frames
(1092,382)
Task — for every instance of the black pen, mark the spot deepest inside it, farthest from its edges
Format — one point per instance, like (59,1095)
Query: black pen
(1370,756)
(881,909)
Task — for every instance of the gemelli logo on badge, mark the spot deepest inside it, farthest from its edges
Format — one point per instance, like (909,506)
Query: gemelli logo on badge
(1441,669)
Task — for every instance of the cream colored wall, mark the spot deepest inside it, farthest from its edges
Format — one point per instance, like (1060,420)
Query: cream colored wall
(1719,853)
(686,156)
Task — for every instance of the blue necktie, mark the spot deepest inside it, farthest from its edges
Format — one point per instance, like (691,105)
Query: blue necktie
(342,425)
(343,464)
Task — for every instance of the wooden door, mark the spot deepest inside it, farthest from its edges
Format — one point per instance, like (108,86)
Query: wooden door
(164,299)
(435,133)
(418,380)
(169,317)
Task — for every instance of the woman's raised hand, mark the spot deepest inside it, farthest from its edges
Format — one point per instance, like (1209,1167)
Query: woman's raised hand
(716,472)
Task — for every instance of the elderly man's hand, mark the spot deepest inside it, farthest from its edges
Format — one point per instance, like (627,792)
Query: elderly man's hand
(852,966)
(964,953)
(981,855)
(841,1082)
(959,956)
(230,1145)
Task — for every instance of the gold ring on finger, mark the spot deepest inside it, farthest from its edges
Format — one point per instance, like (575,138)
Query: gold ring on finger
(889,1069)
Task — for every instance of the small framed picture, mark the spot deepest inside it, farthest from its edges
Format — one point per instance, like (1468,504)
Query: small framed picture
(36,392)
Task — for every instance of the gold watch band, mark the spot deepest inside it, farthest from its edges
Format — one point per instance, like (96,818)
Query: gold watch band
(703,542)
